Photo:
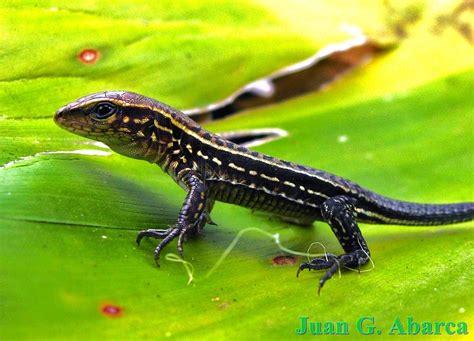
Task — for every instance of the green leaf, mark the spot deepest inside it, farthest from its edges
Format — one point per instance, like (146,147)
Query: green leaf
(68,221)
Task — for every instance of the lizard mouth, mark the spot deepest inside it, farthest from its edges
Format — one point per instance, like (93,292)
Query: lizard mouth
(68,124)
(76,127)
(106,135)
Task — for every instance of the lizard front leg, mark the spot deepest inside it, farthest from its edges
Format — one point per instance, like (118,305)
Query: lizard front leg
(191,216)
(204,218)
(340,213)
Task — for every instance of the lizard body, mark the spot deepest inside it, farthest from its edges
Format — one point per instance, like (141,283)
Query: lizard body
(212,169)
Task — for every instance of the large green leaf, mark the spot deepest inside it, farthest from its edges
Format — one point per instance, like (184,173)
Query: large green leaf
(68,221)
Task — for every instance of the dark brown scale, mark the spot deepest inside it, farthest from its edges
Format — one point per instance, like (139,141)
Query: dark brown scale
(252,202)
(287,209)
(245,200)
(260,201)
(239,198)
(268,205)
(233,192)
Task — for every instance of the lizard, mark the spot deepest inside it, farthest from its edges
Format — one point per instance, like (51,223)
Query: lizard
(210,168)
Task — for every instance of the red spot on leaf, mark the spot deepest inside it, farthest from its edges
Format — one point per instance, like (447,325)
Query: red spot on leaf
(284,260)
(89,56)
(111,310)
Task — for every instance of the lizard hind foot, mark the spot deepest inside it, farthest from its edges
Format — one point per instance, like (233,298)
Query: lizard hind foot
(318,263)
(334,263)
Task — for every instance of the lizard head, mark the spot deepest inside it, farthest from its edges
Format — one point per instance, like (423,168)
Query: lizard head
(122,120)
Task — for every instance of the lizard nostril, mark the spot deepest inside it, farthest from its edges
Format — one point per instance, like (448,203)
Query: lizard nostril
(59,115)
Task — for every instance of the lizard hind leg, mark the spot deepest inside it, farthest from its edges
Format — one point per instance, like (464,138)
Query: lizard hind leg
(340,214)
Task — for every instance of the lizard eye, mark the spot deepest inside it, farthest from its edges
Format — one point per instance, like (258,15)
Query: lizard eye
(104,110)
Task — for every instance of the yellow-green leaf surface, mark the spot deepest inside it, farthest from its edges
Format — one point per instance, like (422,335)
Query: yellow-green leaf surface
(401,125)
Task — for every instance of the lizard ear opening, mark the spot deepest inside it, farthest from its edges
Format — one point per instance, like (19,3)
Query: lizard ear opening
(103,110)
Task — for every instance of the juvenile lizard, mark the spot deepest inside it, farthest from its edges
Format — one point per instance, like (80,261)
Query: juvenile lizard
(210,168)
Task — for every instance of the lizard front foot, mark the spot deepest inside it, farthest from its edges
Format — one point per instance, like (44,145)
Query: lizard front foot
(167,236)
(154,233)
(178,230)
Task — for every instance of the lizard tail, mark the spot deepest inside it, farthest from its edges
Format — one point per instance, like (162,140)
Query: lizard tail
(389,211)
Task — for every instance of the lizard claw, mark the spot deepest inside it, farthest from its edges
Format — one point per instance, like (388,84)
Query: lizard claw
(172,234)
(154,233)
(180,242)
(333,263)
(166,235)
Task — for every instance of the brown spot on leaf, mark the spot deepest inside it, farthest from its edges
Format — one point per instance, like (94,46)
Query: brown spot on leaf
(89,56)
(111,310)
(284,260)
(223,306)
